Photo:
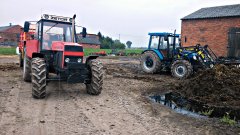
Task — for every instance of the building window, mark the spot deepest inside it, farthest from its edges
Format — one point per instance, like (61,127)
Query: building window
(185,39)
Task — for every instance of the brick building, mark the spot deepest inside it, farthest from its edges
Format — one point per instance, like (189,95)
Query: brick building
(9,34)
(91,41)
(218,27)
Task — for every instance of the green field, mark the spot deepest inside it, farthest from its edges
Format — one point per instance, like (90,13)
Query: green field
(88,51)
(7,50)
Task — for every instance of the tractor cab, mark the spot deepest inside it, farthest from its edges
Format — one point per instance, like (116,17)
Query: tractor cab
(51,29)
(163,44)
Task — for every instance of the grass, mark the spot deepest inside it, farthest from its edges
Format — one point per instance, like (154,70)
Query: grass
(207,112)
(88,51)
(137,51)
(7,50)
(226,119)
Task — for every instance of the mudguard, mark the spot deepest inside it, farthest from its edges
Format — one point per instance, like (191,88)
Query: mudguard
(91,58)
(159,54)
(31,47)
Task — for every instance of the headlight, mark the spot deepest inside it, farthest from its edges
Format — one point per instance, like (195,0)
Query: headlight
(194,57)
(67,60)
(79,60)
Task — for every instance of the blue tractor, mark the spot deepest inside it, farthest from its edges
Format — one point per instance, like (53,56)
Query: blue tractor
(166,53)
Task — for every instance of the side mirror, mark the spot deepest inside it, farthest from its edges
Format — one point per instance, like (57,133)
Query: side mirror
(26,26)
(84,32)
(165,38)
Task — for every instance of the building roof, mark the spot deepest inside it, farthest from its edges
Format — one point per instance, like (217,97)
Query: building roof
(90,39)
(215,12)
(3,28)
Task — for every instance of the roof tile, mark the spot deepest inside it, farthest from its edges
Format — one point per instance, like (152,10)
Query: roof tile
(215,12)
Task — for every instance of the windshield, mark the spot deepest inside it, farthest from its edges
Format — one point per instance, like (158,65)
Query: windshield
(55,32)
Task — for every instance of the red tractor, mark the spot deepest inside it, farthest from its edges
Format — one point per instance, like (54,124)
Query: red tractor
(53,54)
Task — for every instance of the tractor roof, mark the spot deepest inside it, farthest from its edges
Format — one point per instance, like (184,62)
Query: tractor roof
(50,18)
(162,34)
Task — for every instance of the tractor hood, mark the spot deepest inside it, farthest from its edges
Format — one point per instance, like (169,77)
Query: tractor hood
(59,45)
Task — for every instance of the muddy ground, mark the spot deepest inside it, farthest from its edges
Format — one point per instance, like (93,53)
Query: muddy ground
(122,108)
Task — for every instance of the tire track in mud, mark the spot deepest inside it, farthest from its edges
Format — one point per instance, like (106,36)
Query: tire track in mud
(29,112)
(69,117)
(137,111)
(9,104)
(108,116)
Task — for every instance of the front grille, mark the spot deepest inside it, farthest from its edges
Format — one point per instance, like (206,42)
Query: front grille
(73,48)
(73,59)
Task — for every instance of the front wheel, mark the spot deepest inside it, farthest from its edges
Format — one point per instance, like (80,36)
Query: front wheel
(181,69)
(94,87)
(38,78)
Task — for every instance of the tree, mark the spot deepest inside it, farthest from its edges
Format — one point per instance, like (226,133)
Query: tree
(100,35)
(129,43)
(109,43)
(118,45)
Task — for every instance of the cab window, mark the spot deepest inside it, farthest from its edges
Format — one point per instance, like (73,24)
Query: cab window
(154,42)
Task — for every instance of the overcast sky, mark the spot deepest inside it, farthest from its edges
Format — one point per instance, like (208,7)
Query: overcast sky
(131,19)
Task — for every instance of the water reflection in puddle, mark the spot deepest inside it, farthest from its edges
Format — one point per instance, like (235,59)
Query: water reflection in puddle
(178,104)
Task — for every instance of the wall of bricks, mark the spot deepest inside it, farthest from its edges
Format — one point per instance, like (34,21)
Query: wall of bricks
(91,46)
(213,32)
(9,36)
(5,37)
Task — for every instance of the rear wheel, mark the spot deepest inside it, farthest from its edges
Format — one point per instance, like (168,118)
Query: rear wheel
(26,68)
(181,69)
(38,78)
(150,62)
(96,77)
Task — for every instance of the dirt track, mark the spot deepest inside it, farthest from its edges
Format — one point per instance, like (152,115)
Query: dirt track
(122,108)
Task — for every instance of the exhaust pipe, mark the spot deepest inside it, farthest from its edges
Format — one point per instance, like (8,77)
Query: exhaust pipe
(73,27)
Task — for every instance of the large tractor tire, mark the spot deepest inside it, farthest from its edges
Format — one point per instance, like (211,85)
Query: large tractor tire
(181,69)
(20,60)
(26,69)
(94,87)
(38,78)
(150,62)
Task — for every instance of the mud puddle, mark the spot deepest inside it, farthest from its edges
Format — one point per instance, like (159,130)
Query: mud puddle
(194,108)
(178,104)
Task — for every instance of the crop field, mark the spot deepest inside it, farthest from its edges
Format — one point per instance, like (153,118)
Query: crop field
(7,51)
(87,52)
